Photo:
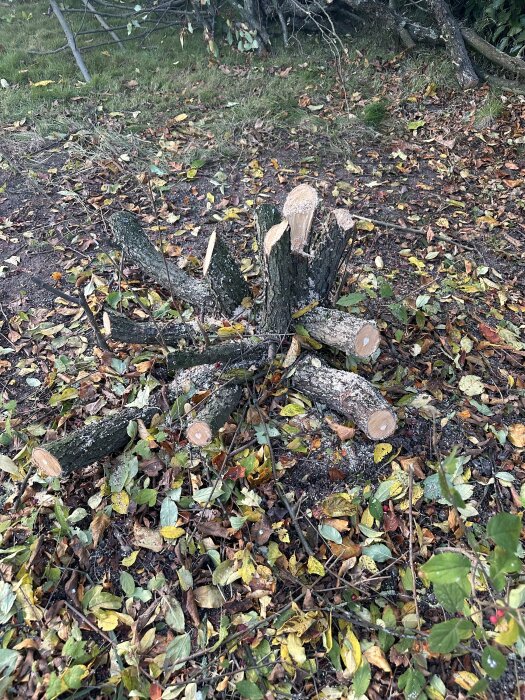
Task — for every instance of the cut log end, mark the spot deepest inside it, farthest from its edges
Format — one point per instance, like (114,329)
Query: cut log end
(45,463)
(299,208)
(199,433)
(273,236)
(209,253)
(366,341)
(381,424)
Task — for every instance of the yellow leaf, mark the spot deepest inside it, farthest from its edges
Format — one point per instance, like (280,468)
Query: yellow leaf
(120,502)
(517,434)
(181,117)
(367,519)
(443,223)
(375,656)
(365,226)
(339,505)
(366,562)
(171,532)
(315,566)
(351,652)
(381,450)
(305,309)
(465,679)
(296,649)
(107,620)
(130,559)
(42,83)
(509,634)
(227,331)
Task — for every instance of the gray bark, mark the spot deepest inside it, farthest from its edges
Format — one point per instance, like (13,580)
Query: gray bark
(213,414)
(92,442)
(224,277)
(231,351)
(124,330)
(347,393)
(130,236)
(70,40)
(341,330)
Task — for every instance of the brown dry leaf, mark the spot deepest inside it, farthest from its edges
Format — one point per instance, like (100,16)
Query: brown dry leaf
(414,463)
(346,550)
(98,525)
(208,597)
(376,657)
(517,434)
(338,523)
(293,352)
(343,432)
(146,538)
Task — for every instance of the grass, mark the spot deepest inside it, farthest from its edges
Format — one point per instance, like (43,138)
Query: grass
(149,82)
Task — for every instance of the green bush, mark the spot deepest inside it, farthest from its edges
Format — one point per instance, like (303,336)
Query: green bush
(502,22)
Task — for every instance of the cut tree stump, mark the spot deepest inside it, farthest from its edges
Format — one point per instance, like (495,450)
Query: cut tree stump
(87,445)
(347,393)
(298,265)
(277,279)
(341,330)
(213,415)
(299,209)
(328,253)
(136,245)
(224,276)
(121,328)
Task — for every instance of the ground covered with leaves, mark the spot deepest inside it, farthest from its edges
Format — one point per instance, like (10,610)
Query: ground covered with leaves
(293,557)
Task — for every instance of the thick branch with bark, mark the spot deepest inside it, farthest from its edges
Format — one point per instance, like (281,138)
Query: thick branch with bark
(328,253)
(277,279)
(224,276)
(85,446)
(213,415)
(347,393)
(340,330)
(121,328)
(224,353)
(131,237)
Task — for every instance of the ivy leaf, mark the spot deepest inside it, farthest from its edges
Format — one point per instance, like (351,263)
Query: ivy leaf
(446,568)
(445,636)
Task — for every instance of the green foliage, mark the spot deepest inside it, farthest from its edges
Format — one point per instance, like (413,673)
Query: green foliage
(375,113)
(502,22)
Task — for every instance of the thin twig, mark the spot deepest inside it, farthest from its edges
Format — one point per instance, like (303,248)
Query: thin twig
(411,542)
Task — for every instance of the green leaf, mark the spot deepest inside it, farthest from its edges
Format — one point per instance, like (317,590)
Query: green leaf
(351,299)
(169,511)
(446,568)
(178,648)
(452,595)
(445,636)
(127,583)
(505,529)
(144,496)
(330,533)
(292,409)
(502,561)
(174,615)
(378,552)
(493,662)
(412,682)
(249,690)
(362,678)
(417,124)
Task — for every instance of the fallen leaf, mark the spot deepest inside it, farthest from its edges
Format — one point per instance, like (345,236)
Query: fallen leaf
(343,432)
(471,385)
(516,434)
(146,538)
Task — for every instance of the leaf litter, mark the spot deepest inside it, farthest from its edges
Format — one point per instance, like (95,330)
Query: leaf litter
(290,556)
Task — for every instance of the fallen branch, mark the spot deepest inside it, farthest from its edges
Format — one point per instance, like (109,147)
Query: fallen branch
(103,23)
(129,234)
(121,328)
(347,393)
(231,351)
(213,415)
(341,330)
(510,63)
(87,445)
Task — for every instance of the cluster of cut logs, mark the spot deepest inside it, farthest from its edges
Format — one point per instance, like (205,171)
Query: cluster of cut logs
(300,258)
